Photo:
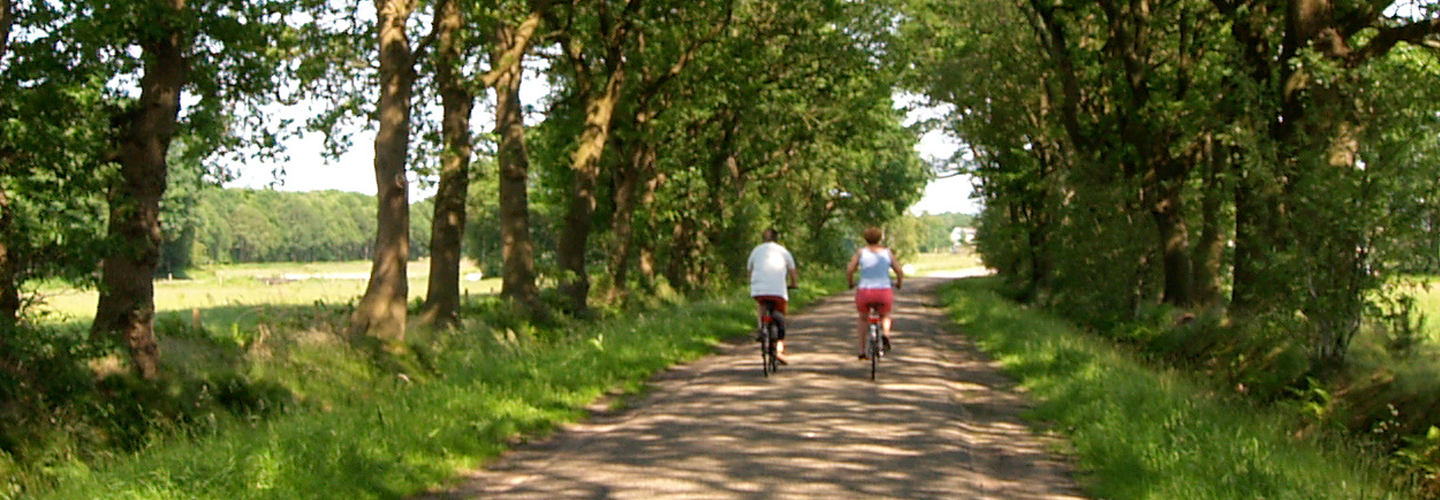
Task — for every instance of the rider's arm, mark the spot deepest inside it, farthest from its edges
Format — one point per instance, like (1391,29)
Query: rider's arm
(850,270)
(899,274)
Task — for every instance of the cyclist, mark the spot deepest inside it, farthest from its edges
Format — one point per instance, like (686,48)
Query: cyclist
(772,274)
(875,263)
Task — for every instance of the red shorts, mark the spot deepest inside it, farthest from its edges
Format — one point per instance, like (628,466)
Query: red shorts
(880,298)
(780,304)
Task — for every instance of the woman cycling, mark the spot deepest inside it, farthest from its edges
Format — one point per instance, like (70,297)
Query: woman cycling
(875,263)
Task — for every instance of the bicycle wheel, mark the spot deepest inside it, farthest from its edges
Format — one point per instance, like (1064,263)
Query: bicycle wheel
(765,348)
(872,348)
(774,334)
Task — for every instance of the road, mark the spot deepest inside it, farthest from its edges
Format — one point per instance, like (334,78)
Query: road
(940,422)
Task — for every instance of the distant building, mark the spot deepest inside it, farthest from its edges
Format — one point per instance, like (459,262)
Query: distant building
(960,236)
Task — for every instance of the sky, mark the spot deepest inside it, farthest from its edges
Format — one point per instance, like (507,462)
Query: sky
(308,170)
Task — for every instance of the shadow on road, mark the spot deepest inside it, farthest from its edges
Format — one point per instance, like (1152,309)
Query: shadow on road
(938,423)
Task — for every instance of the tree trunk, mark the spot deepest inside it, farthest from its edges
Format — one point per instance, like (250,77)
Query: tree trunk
(126,310)
(1209,252)
(448,226)
(381,312)
(518,249)
(1250,246)
(1175,245)
(645,262)
(627,197)
(7,18)
(9,269)
(599,109)
(680,261)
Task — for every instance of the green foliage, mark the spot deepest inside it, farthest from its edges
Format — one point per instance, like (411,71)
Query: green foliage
(369,428)
(1142,433)
(248,225)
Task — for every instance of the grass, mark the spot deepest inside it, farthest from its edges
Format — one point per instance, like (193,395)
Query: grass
(380,429)
(1427,300)
(927,263)
(1138,433)
(231,296)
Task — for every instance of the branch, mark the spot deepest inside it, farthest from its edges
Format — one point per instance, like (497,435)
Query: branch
(1415,33)
(689,53)
(418,54)
(519,44)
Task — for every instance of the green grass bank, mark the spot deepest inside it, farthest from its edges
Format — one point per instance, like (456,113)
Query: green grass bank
(1139,433)
(365,428)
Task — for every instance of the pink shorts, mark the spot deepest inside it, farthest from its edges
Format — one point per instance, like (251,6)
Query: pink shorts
(881,298)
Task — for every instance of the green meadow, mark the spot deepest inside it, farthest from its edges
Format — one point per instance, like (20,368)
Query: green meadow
(227,295)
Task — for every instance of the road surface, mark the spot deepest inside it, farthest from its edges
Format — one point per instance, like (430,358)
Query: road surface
(939,423)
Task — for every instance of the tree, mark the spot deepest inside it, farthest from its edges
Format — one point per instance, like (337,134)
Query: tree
(442,300)
(381,311)
(510,41)
(593,43)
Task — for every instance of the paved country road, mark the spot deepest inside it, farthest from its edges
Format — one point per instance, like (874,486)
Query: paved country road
(939,422)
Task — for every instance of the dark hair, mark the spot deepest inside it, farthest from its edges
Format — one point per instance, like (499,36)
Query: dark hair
(872,235)
(770,234)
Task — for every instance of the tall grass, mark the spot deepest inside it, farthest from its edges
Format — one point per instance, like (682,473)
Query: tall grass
(1139,433)
(376,429)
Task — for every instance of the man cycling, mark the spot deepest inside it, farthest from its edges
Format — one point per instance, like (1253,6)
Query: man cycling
(772,274)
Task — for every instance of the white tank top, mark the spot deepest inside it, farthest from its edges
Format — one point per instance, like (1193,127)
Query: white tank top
(875,268)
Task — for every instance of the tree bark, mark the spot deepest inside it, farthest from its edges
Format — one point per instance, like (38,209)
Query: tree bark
(1209,252)
(682,247)
(9,269)
(614,36)
(381,312)
(7,19)
(518,248)
(442,300)
(627,196)
(645,261)
(1169,216)
(599,110)
(126,310)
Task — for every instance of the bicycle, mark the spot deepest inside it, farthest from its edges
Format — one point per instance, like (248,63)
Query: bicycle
(768,334)
(874,342)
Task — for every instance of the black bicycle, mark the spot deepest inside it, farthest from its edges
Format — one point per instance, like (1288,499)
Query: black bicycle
(768,334)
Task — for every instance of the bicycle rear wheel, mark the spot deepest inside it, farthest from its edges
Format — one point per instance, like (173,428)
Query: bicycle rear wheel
(872,349)
(773,332)
(766,347)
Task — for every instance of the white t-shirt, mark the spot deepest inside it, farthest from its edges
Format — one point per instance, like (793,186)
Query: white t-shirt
(769,264)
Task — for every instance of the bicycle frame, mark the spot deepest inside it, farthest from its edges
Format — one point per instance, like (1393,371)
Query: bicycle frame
(872,342)
(768,338)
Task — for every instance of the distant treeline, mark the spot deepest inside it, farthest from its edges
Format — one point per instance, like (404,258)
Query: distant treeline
(257,225)
(237,225)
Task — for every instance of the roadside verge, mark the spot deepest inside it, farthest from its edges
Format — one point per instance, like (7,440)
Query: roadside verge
(1139,433)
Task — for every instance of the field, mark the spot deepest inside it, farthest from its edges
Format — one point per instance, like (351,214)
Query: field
(928,263)
(239,294)
(231,292)
(1428,302)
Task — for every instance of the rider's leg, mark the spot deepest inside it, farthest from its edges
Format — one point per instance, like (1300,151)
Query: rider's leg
(759,318)
(779,319)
